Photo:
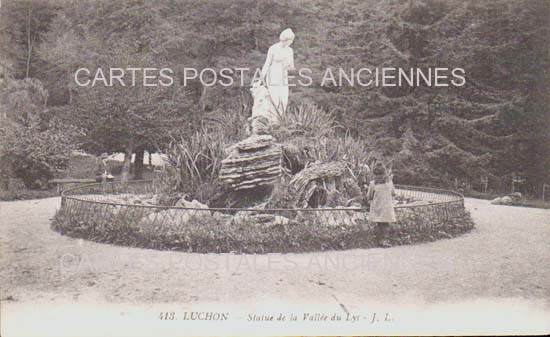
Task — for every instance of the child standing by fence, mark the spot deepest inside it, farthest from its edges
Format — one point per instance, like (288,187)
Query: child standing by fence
(381,191)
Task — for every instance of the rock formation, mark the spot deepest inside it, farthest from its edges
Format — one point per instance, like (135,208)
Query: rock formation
(324,184)
(253,162)
(507,200)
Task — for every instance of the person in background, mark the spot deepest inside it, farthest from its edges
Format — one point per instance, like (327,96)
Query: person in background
(381,192)
(101,170)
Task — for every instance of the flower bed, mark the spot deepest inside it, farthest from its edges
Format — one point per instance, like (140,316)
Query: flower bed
(89,212)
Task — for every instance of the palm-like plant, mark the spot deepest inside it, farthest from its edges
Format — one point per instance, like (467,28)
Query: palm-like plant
(306,120)
(195,161)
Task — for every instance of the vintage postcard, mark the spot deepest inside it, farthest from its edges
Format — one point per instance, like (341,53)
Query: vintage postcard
(274,167)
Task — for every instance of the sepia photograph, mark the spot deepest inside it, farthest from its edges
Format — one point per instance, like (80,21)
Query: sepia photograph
(274,167)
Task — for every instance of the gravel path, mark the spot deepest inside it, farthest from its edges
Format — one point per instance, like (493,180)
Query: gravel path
(507,256)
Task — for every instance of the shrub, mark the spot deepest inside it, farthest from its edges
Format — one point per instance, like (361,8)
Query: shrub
(194,163)
(33,143)
(355,152)
(229,123)
(34,154)
(194,159)
(305,120)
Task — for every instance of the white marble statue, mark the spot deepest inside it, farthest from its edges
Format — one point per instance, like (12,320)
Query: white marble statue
(280,59)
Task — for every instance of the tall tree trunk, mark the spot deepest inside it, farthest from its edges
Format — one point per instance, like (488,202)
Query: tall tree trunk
(128,151)
(202,99)
(29,42)
(70,90)
(138,163)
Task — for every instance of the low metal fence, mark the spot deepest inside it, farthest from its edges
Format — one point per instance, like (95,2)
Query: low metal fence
(126,199)
(112,209)
(101,193)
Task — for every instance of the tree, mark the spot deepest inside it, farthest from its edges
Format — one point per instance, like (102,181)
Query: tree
(114,117)
(33,143)
(494,125)
(465,132)
(22,25)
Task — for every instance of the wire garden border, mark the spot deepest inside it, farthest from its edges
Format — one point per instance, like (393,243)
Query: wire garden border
(95,212)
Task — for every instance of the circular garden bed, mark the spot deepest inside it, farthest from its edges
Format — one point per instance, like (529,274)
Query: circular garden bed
(129,214)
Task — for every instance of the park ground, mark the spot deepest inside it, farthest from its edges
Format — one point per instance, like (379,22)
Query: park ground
(503,263)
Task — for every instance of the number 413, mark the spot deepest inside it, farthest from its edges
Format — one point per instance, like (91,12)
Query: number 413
(165,315)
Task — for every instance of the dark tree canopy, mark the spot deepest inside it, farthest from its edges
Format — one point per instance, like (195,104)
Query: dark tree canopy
(496,125)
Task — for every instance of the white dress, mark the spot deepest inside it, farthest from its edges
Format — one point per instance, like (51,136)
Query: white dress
(279,60)
(381,207)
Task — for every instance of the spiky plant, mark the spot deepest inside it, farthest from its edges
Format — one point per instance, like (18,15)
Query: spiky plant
(195,161)
(306,120)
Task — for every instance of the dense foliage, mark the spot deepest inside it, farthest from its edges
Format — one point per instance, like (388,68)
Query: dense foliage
(34,144)
(495,126)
